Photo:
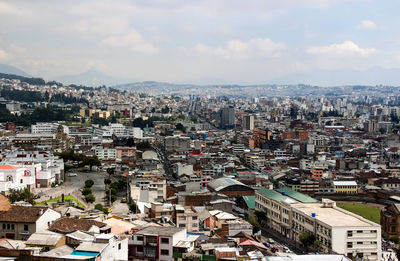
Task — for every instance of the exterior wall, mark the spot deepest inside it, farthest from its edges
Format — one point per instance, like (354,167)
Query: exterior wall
(116,250)
(47,219)
(345,189)
(19,232)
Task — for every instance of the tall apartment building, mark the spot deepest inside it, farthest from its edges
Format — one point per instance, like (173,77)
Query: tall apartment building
(227,118)
(291,213)
(248,122)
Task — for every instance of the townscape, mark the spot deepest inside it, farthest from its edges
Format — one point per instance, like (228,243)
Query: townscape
(117,174)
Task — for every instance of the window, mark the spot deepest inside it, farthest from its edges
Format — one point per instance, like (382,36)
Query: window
(139,238)
(139,249)
(8,226)
(359,231)
(360,243)
(119,246)
(164,240)
(349,244)
(22,181)
(25,227)
(182,225)
(194,218)
(349,233)
(12,226)
(4,226)
(164,252)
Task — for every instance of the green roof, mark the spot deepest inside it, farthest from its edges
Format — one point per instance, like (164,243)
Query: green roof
(271,194)
(297,195)
(250,201)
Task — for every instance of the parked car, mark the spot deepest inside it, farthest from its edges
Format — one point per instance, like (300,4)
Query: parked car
(72,174)
(36,196)
(123,200)
(266,244)
(271,241)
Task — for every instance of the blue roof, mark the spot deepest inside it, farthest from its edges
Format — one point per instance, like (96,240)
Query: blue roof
(79,253)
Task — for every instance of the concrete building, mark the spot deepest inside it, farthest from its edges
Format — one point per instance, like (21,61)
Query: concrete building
(227,118)
(186,217)
(248,122)
(292,213)
(13,177)
(155,243)
(345,187)
(20,222)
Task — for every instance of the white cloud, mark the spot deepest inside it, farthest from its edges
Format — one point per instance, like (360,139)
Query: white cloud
(3,55)
(345,48)
(132,39)
(8,9)
(368,24)
(242,49)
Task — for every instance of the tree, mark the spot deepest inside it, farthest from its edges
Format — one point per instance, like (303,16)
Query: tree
(253,221)
(86,191)
(107,181)
(110,172)
(180,127)
(89,183)
(21,195)
(133,207)
(307,239)
(90,198)
(99,207)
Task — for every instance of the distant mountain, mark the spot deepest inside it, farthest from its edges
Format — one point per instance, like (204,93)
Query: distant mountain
(90,78)
(8,69)
(372,76)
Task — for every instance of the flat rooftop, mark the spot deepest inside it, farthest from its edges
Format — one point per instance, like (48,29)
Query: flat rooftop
(331,216)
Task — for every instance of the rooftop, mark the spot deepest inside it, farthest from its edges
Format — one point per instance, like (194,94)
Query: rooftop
(68,225)
(7,167)
(22,214)
(344,183)
(271,194)
(161,231)
(334,217)
(297,195)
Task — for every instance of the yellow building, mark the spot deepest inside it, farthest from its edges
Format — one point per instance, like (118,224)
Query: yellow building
(345,187)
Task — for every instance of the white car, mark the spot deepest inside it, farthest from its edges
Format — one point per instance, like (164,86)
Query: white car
(72,174)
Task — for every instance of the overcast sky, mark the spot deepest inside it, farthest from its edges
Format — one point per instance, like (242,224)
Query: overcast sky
(198,41)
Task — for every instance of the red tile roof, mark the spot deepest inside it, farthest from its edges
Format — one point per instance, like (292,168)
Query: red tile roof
(68,225)
(22,214)
(8,167)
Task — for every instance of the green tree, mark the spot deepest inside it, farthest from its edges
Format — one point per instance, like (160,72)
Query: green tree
(89,183)
(90,198)
(86,191)
(107,181)
(21,195)
(133,207)
(307,239)
(99,207)
(110,172)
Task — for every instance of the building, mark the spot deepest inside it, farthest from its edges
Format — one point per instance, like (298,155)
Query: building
(230,187)
(340,231)
(248,122)
(177,143)
(227,118)
(186,217)
(390,219)
(14,177)
(20,222)
(106,153)
(345,187)
(155,243)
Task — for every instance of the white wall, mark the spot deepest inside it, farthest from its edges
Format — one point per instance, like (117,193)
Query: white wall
(48,216)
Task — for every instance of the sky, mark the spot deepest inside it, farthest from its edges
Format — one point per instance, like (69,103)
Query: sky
(199,41)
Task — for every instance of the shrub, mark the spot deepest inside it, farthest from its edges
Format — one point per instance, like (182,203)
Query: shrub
(89,183)
(99,207)
(90,198)
(86,191)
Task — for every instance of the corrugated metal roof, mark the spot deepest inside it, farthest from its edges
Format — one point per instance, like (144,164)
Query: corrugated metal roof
(250,201)
(297,195)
